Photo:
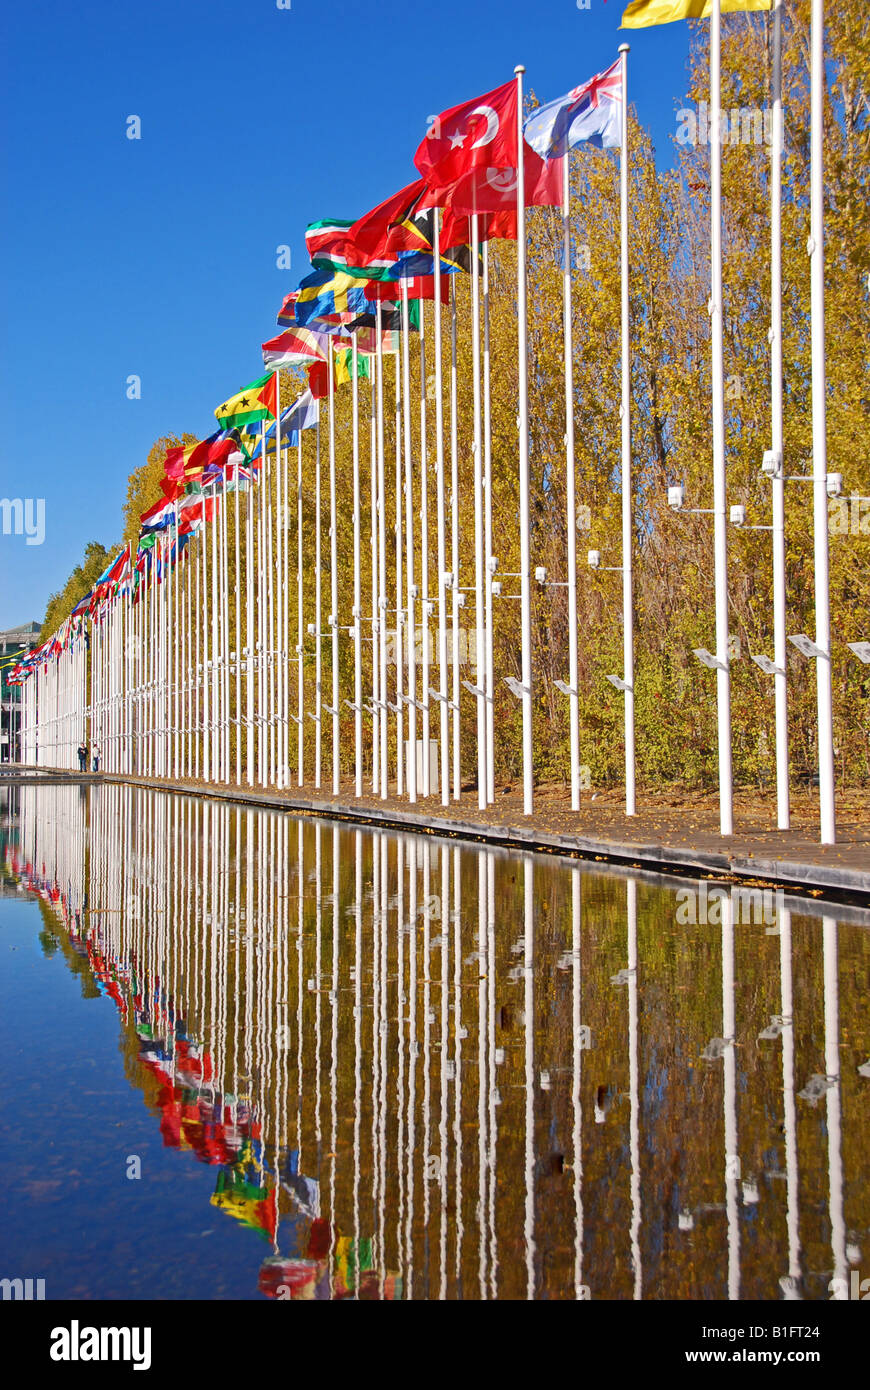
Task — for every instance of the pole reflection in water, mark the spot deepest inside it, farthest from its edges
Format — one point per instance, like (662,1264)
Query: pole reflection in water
(413,1071)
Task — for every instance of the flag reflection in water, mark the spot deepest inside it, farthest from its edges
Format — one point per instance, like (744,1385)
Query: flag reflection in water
(422,1070)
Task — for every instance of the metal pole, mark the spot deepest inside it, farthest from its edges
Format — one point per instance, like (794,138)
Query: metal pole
(444,755)
(720,540)
(625,415)
(525,520)
(816,248)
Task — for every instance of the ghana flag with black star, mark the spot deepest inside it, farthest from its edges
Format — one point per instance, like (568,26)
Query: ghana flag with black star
(254,402)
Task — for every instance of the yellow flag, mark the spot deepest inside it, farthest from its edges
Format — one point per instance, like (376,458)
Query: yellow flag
(642,14)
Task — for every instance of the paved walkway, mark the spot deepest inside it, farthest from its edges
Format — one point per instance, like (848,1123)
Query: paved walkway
(671,831)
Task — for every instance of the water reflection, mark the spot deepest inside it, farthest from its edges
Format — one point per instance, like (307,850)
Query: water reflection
(421,1070)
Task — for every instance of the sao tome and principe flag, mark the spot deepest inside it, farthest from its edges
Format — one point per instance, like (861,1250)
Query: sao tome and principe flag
(642,14)
(254,402)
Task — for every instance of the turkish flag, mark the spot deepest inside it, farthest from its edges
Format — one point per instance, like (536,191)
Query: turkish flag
(469,158)
(478,135)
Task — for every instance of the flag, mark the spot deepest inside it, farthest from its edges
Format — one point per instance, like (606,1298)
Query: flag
(301,415)
(592,112)
(158,517)
(287,312)
(325,238)
(640,14)
(418,286)
(327,298)
(377,238)
(294,346)
(344,365)
(189,460)
(254,402)
(391,320)
(468,157)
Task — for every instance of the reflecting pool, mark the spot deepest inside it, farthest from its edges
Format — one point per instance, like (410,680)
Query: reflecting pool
(249,1055)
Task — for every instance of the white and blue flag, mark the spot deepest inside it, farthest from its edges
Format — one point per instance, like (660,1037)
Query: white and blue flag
(592,112)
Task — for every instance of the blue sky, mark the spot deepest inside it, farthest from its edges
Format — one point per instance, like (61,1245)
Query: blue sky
(157,256)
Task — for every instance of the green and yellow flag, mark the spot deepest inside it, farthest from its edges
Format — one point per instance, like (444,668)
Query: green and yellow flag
(642,14)
(255,402)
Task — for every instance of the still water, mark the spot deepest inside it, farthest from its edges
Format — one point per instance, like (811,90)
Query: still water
(247,1055)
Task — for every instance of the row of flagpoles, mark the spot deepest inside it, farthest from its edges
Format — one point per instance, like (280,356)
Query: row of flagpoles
(171,673)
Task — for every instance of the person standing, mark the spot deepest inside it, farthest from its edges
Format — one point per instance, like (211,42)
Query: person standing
(83,756)
(95,753)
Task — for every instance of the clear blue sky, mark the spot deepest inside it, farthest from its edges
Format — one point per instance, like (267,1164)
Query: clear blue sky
(158,256)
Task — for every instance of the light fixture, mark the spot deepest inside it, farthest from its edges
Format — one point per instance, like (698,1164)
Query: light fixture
(805,646)
(861,650)
(738,515)
(771,463)
(834,484)
(675,496)
(594,559)
(541,574)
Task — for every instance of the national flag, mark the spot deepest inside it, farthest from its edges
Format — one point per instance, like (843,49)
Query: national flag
(327,298)
(641,14)
(325,238)
(344,365)
(391,320)
(377,238)
(468,157)
(418,286)
(158,517)
(303,414)
(591,112)
(287,312)
(254,402)
(295,346)
(189,460)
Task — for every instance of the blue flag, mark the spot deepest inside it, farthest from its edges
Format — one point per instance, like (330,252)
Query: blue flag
(592,112)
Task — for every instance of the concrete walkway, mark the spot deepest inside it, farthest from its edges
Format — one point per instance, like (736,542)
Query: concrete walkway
(666,835)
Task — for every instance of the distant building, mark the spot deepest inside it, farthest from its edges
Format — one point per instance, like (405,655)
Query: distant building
(13,643)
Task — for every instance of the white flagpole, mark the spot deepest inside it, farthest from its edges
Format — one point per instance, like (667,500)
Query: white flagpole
(409,550)
(300,623)
(278,583)
(382,565)
(271,643)
(442,553)
(454,538)
(400,665)
(720,532)
(570,486)
(488,684)
(261,611)
(238,632)
(525,524)
(780,649)
(318,616)
(225,621)
(333,566)
(375,368)
(625,415)
(249,629)
(479,602)
(424,558)
(816,248)
(357,592)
